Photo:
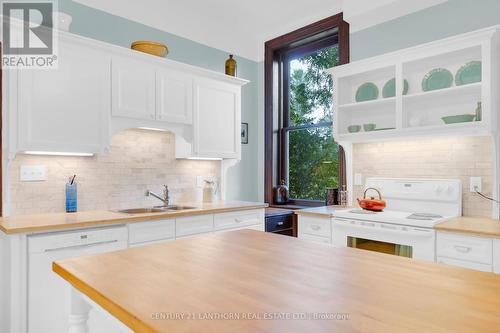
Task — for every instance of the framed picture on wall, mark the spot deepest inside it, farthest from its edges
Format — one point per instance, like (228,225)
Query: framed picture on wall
(244,133)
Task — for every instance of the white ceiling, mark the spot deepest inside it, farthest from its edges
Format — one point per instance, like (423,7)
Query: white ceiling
(242,27)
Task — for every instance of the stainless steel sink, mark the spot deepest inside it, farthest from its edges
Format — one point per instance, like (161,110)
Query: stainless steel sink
(141,210)
(174,207)
(159,209)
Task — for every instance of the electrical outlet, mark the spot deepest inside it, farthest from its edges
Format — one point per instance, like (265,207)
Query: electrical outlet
(358,179)
(200,181)
(475,184)
(33,173)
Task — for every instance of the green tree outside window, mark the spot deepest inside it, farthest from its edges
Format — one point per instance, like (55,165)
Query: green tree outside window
(313,162)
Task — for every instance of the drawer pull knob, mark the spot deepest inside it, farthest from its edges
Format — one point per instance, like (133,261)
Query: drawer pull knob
(280,223)
(237,220)
(315,227)
(462,249)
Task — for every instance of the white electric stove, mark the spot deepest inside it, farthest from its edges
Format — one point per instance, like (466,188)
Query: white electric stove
(405,227)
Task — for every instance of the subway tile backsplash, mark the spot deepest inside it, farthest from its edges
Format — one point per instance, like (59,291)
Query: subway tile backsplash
(138,160)
(460,158)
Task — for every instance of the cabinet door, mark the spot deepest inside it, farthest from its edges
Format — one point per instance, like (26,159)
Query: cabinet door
(133,88)
(174,97)
(496,256)
(217,119)
(66,109)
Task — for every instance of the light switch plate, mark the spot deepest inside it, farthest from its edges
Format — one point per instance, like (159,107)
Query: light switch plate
(475,184)
(33,173)
(358,179)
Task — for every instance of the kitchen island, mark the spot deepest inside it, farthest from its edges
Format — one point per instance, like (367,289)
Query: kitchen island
(237,282)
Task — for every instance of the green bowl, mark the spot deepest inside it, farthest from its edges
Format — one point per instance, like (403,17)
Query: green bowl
(369,127)
(461,118)
(354,128)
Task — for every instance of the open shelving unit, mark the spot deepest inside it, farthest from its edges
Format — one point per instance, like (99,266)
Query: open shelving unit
(419,112)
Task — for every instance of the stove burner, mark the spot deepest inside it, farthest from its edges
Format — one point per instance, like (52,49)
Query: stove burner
(423,216)
(362,211)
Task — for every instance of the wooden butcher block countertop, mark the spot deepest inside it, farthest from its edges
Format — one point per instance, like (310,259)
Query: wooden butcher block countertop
(245,282)
(481,226)
(59,221)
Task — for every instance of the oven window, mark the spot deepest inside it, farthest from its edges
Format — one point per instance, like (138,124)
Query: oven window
(378,246)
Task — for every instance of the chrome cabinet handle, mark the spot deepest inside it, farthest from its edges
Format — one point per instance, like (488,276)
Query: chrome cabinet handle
(315,227)
(238,220)
(462,249)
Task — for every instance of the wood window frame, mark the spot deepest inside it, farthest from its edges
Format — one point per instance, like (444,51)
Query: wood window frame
(274,77)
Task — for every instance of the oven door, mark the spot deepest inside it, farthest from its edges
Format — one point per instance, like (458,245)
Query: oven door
(407,241)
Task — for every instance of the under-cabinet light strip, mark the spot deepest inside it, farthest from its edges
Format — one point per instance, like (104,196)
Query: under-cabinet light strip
(55,153)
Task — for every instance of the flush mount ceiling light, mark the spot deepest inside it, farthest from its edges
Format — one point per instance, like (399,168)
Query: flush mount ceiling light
(55,153)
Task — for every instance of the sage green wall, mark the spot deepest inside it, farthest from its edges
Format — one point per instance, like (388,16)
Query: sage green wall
(447,19)
(96,24)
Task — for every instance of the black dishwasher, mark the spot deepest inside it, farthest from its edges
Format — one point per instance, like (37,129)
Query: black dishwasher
(280,221)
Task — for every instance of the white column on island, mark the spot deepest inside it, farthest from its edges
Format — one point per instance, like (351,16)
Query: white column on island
(79,313)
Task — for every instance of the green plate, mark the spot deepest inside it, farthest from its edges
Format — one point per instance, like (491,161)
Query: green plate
(438,78)
(389,89)
(366,92)
(468,73)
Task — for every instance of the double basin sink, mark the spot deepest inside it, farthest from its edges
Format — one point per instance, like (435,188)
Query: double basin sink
(159,209)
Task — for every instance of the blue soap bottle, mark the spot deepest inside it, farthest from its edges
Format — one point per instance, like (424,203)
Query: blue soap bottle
(71,195)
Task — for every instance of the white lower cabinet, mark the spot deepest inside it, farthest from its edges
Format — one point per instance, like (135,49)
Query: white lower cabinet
(47,292)
(193,225)
(41,299)
(316,229)
(464,264)
(151,231)
(465,251)
(496,256)
(238,220)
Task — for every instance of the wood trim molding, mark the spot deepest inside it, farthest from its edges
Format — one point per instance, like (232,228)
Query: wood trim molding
(271,86)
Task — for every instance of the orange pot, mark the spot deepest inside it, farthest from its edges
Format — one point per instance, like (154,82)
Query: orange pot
(372,203)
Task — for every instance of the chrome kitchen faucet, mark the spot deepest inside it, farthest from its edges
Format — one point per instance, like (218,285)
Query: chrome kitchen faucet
(165,199)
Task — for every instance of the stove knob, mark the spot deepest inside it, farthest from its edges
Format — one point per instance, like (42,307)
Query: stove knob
(439,189)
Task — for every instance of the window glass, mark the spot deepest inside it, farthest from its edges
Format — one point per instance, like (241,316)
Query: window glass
(312,153)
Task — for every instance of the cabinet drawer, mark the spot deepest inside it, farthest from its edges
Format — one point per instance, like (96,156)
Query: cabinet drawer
(314,226)
(238,219)
(141,232)
(277,223)
(161,241)
(191,225)
(465,264)
(315,239)
(469,248)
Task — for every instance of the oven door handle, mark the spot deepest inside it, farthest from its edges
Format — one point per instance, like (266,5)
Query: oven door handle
(393,230)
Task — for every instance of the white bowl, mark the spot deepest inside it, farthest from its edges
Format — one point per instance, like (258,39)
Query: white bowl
(62,20)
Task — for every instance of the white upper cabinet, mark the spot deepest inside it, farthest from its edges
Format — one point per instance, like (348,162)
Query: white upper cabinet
(217,119)
(428,90)
(100,89)
(65,109)
(133,88)
(174,96)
